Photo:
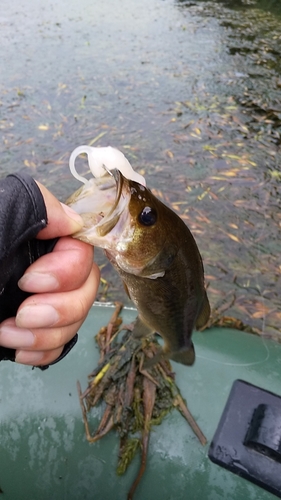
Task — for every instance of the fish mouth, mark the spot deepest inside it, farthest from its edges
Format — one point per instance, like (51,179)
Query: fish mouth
(102,203)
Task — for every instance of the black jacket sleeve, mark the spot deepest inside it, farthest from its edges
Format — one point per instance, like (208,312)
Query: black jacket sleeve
(22,215)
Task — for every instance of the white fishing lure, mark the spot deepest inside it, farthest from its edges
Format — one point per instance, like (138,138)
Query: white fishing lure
(102,160)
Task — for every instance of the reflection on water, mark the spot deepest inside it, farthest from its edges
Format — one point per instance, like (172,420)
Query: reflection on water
(190,91)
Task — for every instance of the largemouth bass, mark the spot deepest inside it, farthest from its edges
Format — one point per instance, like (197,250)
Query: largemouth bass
(149,245)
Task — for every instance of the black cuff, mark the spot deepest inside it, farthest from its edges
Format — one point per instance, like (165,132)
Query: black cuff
(67,348)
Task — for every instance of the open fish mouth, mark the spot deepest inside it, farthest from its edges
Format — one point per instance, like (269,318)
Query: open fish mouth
(103,205)
(103,201)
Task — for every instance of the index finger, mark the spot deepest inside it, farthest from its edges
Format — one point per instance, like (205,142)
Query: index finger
(62,220)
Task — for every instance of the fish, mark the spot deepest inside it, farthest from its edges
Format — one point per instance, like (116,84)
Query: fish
(151,248)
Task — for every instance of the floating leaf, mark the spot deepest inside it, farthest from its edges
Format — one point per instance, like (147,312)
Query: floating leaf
(62,86)
(43,127)
(170,153)
(230,173)
(259,314)
(29,164)
(233,237)
(232,157)
(213,195)
(207,147)
(96,139)
(201,196)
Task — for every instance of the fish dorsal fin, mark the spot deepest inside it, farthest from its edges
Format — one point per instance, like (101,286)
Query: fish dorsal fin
(204,314)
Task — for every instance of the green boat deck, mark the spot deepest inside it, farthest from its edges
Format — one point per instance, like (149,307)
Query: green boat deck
(44,453)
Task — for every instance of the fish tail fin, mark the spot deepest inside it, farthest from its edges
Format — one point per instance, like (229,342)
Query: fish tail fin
(185,356)
(204,314)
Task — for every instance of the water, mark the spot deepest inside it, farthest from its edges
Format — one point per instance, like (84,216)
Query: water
(189,91)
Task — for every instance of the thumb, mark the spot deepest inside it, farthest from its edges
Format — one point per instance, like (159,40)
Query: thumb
(62,220)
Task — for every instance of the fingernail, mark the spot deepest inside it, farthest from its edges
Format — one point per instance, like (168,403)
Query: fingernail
(38,282)
(29,357)
(13,337)
(73,215)
(37,316)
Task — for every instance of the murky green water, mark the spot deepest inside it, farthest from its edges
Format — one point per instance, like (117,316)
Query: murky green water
(189,91)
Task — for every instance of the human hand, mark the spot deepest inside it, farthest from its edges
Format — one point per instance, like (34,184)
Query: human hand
(64,283)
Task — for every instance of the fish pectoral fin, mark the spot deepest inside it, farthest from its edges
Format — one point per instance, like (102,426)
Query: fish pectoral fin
(141,329)
(158,266)
(154,276)
(204,314)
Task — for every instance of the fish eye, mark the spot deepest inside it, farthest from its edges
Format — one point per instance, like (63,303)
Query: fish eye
(148,216)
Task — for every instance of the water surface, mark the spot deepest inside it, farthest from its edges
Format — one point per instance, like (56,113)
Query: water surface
(189,91)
